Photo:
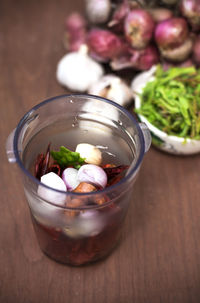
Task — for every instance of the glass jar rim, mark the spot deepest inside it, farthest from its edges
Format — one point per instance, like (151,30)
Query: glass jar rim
(130,173)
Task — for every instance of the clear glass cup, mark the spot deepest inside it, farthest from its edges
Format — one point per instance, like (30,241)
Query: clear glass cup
(85,233)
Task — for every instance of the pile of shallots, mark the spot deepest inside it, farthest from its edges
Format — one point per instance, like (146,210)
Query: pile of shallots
(133,34)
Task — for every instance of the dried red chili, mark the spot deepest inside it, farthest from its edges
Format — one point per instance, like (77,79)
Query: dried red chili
(114,174)
(42,163)
(38,165)
(114,171)
(46,161)
(114,180)
(55,168)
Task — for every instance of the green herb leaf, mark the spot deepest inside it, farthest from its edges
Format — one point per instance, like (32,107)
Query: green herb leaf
(65,157)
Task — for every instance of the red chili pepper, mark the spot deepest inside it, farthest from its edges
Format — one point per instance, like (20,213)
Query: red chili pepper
(42,163)
(38,165)
(45,164)
(113,171)
(55,168)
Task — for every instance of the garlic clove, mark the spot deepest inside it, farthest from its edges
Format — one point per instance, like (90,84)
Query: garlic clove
(91,153)
(77,71)
(55,182)
(113,88)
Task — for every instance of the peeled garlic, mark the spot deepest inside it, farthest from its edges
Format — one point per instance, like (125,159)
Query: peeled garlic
(113,88)
(55,182)
(90,152)
(77,71)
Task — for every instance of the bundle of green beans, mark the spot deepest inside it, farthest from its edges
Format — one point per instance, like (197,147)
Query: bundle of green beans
(171,102)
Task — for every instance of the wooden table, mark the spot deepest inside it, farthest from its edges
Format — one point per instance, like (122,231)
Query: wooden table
(158,259)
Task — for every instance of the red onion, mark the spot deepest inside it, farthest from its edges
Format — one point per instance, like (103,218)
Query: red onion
(171,33)
(147,58)
(179,53)
(69,176)
(75,32)
(160,14)
(103,44)
(117,21)
(138,27)
(196,51)
(191,10)
(93,174)
(136,59)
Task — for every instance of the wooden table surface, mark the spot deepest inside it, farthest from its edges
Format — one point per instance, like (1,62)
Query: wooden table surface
(158,259)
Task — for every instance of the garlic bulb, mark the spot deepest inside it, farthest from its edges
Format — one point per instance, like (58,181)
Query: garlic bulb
(113,88)
(98,11)
(77,71)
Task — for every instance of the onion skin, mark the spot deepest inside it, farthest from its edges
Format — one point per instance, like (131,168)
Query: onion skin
(196,51)
(103,44)
(117,21)
(171,33)
(138,28)
(148,57)
(180,53)
(190,9)
(136,59)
